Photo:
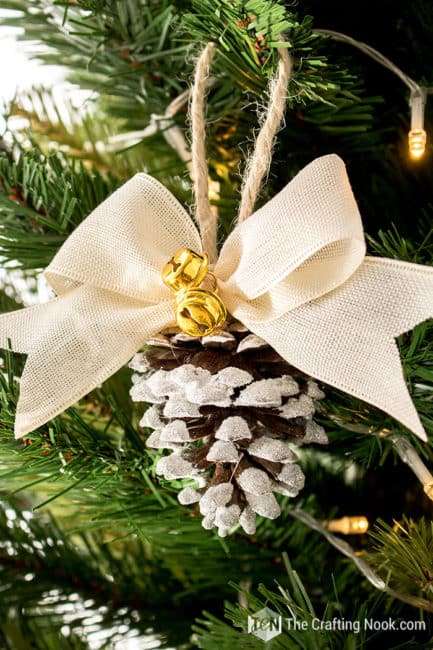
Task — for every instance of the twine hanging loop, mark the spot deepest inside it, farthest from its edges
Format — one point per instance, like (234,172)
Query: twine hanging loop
(257,165)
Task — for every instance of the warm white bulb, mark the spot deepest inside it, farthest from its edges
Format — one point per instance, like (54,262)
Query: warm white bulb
(417,141)
(428,489)
(348,525)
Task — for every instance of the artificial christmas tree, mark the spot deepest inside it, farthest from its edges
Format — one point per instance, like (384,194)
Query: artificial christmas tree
(122,563)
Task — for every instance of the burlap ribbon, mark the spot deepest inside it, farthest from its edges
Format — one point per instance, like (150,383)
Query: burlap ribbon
(295,273)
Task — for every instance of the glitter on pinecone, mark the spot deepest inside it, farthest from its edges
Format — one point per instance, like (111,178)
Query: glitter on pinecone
(226,405)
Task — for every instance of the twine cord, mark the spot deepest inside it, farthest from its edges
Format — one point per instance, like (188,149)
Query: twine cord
(259,162)
(204,216)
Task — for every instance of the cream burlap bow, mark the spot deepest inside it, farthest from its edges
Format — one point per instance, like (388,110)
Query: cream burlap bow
(295,273)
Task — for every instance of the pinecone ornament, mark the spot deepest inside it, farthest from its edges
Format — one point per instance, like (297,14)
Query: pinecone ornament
(227,405)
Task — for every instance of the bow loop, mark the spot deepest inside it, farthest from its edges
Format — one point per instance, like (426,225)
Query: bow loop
(124,243)
(303,243)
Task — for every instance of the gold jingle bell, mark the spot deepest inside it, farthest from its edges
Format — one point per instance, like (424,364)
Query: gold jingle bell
(199,312)
(185,270)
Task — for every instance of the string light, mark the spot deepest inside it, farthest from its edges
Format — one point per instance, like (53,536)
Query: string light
(159,123)
(417,137)
(348,525)
(409,456)
(403,447)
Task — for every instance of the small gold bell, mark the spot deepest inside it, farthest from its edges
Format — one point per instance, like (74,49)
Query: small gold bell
(185,270)
(199,312)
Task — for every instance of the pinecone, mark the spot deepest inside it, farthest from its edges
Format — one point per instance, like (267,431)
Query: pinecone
(226,405)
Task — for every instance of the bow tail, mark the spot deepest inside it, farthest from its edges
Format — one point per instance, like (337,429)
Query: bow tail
(20,328)
(73,344)
(347,337)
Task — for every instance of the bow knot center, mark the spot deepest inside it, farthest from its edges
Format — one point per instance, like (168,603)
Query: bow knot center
(199,311)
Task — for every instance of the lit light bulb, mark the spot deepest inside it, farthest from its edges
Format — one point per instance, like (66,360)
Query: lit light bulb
(417,136)
(417,140)
(428,489)
(348,525)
